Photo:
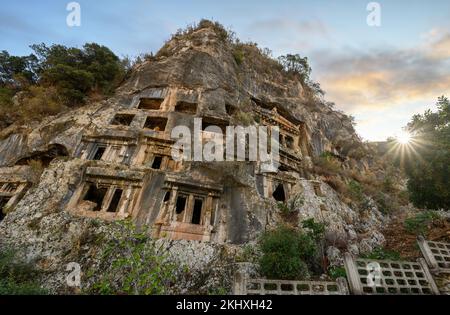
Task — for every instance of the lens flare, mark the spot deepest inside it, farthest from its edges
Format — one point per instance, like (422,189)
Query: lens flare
(404,137)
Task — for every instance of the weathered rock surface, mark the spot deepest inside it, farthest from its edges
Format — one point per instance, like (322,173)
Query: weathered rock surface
(196,69)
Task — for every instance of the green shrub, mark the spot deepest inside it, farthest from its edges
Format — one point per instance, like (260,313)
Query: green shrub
(327,164)
(132,265)
(337,272)
(239,56)
(243,118)
(55,78)
(284,209)
(296,65)
(17,277)
(355,191)
(77,72)
(288,253)
(388,184)
(315,230)
(421,222)
(381,253)
(385,203)
(291,206)
(428,176)
(249,254)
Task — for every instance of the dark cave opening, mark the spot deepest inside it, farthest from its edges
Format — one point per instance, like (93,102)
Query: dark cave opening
(113,205)
(45,157)
(279,194)
(197,213)
(96,194)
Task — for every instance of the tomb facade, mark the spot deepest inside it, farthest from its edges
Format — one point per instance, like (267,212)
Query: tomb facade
(107,194)
(188,211)
(293,144)
(107,148)
(156,153)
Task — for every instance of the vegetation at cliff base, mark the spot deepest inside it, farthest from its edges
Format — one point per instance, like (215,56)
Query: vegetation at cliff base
(17,277)
(291,254)
(133,264)
(381,253)
(422,222)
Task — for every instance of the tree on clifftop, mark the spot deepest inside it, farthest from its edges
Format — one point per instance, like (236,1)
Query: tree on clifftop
(428,169)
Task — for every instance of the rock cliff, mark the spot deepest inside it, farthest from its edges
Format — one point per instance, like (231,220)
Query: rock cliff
(111,160)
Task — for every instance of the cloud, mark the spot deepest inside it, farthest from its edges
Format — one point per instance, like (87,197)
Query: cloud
(441,48)
(307,27)
(384,78)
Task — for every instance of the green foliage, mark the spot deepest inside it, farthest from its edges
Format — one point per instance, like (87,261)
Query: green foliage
(429,175)
(243,118)
(6,95)
(16,71)
(6,115)
(73,84)
(225,35)
(421,222)
(337,272)
(284,208)
(249,253)
(355,190)
(288,253)
(283,254)
(380,253)
(292,205)
(385,203)
(55,78)
(315,230)
(133,265)
(299,67)
(16,277)
(388,183)
(76,72)
(294,64)
(327,164)
(238,55)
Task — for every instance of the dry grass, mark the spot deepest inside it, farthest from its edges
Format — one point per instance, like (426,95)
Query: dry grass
(326,165)
(400,240)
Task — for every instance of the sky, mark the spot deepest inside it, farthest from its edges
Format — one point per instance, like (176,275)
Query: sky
(382,74)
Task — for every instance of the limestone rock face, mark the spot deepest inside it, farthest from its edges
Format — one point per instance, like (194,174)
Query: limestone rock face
(112,160)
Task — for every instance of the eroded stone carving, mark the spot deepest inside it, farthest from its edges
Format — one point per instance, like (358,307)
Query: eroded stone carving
(188,210)
(107,194)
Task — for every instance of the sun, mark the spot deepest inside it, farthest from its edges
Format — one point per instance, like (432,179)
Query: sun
(403,137)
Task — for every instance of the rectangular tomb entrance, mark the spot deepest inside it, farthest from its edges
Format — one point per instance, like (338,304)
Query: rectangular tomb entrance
(107,148)
(150,103)
(188,210)
(157,154)
(107,194)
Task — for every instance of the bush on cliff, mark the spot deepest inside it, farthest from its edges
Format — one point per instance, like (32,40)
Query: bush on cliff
(291,254)
(132,265)
(17,277)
